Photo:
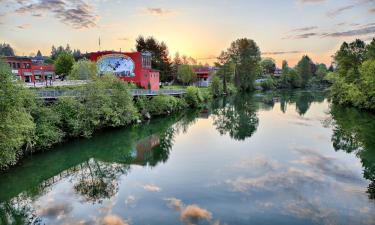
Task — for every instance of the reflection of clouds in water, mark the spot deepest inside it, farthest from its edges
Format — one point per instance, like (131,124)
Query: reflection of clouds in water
(304,209)
(190,214)
(113,220)
(130,201)
(151,188)
(327,166)
(300,123)
(56,211)
(291,179)
(174,203)
(258,162)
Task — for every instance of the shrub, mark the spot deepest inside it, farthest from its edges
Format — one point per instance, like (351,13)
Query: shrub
(163,104)
(193,96)
(268,84)
(47,131)
(83,70)
(216,87)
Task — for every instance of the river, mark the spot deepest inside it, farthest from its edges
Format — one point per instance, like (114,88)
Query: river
(265,158)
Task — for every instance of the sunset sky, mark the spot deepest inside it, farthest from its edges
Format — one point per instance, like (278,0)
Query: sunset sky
(283,29)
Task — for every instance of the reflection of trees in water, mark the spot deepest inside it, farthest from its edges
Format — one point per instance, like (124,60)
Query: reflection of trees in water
(302,100)
(18,211)
(237,117)
(354,132)
(97,180)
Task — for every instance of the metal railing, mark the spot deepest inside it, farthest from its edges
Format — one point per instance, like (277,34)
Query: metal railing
(53,94)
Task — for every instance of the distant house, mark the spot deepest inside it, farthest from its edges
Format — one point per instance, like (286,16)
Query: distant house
(203,76)
(278,72)
(30,71)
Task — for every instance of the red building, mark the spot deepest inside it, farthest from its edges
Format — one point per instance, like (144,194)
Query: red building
(203,76)
(132,67)
(24,68)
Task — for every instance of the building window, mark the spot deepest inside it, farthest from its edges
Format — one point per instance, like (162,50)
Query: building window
(18,65)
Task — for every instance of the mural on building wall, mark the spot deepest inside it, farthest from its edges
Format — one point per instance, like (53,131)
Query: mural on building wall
(118,64)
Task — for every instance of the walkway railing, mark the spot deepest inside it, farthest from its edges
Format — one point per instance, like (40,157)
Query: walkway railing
(54,94)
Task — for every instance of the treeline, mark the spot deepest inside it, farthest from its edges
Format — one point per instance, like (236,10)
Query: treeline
(28,125)
(354,79)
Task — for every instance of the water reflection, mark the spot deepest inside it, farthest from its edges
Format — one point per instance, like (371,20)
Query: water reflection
(239,160)
(354,132)
(236,116)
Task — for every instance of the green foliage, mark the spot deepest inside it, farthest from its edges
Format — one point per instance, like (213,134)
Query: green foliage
(193,96)
(6,50)
(245,54)
(371,50)
(295,79)
(268,65)
(321,71)
(216,86)
(163,104)
(83,70)
(72,116)
(47,132)
(64,64)
(186,74)
(354,82)
(160,56)
(304,70)
(16,123)
(268,84)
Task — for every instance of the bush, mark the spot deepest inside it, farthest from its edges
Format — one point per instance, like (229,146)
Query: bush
(193,96)
(163,104)
(216,87)
(16,123)
(83,70)
(47,131)
(268,84)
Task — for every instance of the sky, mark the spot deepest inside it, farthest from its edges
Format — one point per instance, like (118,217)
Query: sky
(283,29)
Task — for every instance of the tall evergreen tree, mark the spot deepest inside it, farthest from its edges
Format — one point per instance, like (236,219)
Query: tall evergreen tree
(305,70)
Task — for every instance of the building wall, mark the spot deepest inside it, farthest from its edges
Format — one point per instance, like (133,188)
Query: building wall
(25,69)
(144,75)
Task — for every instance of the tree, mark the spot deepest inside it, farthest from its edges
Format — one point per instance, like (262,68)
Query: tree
(176,63)
(268,65)
(295,78)
(16,124)
(371,50)
(226,69)
(160,56)
(321,71)
(6,50)
(64,64)
(245,54)
(349,58)
(216,87)
(39,54)
(55,52)
(83,70)
(305,70)
(186,74)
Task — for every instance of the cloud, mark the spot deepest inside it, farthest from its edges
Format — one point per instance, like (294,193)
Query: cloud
(355,32)
(174,203)
(158,11)
(24,26)
(372,10)
(130,201)
(338,11)
(311,1)
(113,220)
(55,211)
(123,39)
(152,188)
(326,165)
(75,13)
(302,29)
(306,35)
(192,214)
(259,162)
(281,52)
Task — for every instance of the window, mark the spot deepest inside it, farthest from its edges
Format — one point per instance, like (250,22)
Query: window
(18,65)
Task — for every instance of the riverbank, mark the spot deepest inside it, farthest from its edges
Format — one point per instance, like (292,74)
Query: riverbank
(33,126)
